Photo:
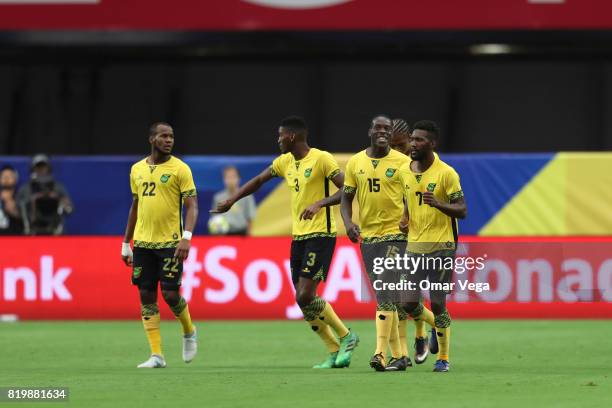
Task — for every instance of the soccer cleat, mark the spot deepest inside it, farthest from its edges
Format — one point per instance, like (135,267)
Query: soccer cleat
(421,350)
(398,364)
(433,342)
(329,363)
(347,345)
(155,361)
(378,362)
(190,346)
(441,366)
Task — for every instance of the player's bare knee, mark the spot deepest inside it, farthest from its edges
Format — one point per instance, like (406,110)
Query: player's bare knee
(147,296)
(171,297)
(304,297)
(410,307)
(438,307)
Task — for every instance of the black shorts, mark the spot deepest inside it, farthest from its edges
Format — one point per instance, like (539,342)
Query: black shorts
(371,254)
(310,258)
(436,267)
(156,265)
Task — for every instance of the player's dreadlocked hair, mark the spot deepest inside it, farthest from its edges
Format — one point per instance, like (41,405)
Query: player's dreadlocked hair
(400,126)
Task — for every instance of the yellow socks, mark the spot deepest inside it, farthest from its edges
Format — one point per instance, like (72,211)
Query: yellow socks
(329,316)
(443,342)
(401,328)
(326,335)
(422,314)
(181,312)
(443,322)
(394,337)
(384,322)
(150,321)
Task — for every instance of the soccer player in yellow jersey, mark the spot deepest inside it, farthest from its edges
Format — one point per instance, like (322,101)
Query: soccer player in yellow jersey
(372,176)
(400,141)
(161,184)
(307,173)
(434,203)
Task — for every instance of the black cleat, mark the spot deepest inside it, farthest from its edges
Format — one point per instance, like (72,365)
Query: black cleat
(398,364)
(378,362)
(433,342)
(421,350)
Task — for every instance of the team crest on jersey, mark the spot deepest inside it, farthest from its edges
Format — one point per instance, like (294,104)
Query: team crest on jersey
(307,173)
(137,271)
(390,172)
(165,177)
(418,177)
(431,187)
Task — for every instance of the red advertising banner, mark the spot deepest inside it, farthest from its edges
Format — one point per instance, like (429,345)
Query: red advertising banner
(245,15)
(249,278)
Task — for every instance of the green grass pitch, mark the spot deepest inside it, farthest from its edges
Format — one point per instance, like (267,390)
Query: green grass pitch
(267,364)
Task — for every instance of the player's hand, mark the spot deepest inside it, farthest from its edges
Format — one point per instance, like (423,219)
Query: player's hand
(182,250)
(310,212)
(222,207)
(353,232)
(429,199)
(403,226)
(126,254)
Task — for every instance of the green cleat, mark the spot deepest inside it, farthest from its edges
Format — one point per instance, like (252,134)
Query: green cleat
(347,345)
(329,363)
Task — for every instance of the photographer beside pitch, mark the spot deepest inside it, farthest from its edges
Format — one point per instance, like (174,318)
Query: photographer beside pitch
(161,184)
(434,203)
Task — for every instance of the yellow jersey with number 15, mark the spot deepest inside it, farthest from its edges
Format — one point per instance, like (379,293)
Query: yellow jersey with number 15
(379,193)
(429,229)
(160,190)
(309,181)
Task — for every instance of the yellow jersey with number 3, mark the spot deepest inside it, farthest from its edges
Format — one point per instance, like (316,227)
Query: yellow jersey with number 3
(160,190)
(429,229)
(379,193)
(309,180)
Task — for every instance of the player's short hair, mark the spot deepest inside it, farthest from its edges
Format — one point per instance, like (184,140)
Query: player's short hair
(431,127)
(401,126)
(231,167)
(295,124)
(382,115)
(153,127)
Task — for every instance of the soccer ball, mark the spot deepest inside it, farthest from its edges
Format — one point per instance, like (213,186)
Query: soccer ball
(218,225)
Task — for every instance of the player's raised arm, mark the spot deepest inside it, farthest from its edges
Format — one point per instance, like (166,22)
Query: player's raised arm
(248,188)
(456,206)
(338,180)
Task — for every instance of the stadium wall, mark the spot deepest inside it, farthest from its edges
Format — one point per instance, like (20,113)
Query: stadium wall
(249,278)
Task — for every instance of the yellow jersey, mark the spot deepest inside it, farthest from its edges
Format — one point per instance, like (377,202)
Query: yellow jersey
(309,181)
(160,190)
(429,229)
(379,194)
